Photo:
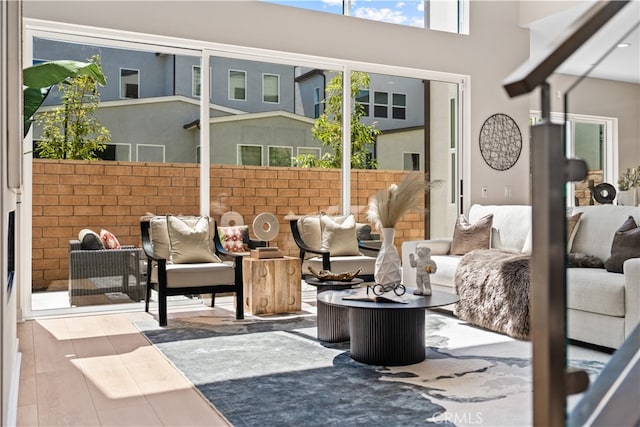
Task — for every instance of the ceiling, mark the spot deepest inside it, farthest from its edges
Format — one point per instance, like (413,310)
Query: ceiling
(620,64)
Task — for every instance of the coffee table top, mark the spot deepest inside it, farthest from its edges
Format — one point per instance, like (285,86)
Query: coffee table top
(436,299)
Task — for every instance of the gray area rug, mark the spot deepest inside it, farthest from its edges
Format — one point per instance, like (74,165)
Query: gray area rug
(261,372)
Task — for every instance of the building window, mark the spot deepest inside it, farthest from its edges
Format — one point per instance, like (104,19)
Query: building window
(399,109)
(280,156)
(237,85)
(150,153)
(196,80)
(411,161)
(364,100)
(381,104)
(129,83)
(316,102)
(120,152)
(271,88)
(309,150)
(250,155)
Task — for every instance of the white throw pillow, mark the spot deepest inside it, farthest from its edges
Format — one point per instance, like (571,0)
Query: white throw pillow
(189,239)
(309,228)
(339,235)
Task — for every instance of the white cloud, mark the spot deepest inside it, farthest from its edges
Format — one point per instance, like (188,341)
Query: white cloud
(383,15)
(332,2)
(401,4)
(420,7)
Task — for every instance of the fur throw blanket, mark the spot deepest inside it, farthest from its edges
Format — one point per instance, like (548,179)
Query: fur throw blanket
(494,291)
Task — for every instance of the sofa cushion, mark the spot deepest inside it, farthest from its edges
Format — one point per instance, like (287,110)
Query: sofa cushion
(339,235)
(511,224)
(185,275)
(469,236)
(598,224)
(595,290)
(189,240)
(626,244)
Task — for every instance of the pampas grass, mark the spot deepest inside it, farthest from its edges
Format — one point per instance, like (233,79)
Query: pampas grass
(386,207)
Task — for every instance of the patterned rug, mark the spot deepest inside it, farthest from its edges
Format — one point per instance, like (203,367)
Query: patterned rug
(273,372)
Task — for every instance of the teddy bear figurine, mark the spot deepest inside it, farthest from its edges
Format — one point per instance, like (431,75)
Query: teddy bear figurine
(424,266)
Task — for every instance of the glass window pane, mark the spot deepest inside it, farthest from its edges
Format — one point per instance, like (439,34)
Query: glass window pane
(280,156)
(196,80)
(250,155)
(399,100)
(331,6)
(129,83)
(150,153)
(237,85)
(406,12)
(380,97)
(589,144)
(271,88)
(411,161)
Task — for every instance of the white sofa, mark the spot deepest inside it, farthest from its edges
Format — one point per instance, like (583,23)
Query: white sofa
(603,307)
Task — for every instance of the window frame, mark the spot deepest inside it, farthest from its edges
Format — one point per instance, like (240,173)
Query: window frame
(239,154)
(395,106)
(122,96)
(269,147)
(161,147)
(231,98)
(277,76)
(377,105)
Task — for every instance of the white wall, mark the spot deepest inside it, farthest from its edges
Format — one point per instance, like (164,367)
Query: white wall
(10,148)
(496,46)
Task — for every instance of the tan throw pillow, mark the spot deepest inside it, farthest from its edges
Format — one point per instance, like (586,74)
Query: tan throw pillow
(190,240)
(309,227)
(339,235)
(159,237)
(573,222)
(467,237)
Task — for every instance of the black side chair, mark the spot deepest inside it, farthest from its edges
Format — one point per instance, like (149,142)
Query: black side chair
(188,279)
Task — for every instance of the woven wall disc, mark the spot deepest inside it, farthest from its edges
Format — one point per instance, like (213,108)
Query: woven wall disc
(266,226)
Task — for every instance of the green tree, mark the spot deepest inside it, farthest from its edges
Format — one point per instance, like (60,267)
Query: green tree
(328,128)
(70,131)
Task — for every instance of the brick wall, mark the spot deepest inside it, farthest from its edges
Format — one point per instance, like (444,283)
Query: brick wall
(71,195)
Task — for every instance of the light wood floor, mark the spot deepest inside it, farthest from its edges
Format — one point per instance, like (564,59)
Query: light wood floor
(98,370)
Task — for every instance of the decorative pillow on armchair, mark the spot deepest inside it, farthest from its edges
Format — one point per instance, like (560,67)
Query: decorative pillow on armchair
(90,240)
(109,239)
(189,239)
(232,237)
(626,244)
(467,236)
(339,235)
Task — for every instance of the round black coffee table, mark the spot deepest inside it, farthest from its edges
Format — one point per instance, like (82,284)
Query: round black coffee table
(333,321)
(387,333)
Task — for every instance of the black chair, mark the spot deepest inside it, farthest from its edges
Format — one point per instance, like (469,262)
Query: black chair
(189,279)
(319,259)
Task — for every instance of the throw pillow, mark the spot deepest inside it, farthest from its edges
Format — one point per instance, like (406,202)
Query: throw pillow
(109,239)
(309,227)
(90,240)
(232,237)
(189,240)
(573,222)
(578,260)
(339,235)
(626,244)
(467,236)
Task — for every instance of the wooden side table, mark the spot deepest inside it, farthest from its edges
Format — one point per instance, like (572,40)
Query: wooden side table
(272,285)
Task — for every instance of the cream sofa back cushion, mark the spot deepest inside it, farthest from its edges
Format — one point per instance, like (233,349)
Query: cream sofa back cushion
(511,223)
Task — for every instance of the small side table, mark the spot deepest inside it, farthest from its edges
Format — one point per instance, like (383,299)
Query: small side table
(333,321)
(271,285)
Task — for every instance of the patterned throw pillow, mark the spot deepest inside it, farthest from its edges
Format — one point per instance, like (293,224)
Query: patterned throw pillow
(231,238)
(109,239)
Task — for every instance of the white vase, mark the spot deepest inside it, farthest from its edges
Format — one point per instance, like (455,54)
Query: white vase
(628,197)
(387,268)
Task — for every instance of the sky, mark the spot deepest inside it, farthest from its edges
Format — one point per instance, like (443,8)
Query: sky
(407,12)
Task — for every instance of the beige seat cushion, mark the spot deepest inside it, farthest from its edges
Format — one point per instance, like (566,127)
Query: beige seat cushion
(202,274)
(595,290)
